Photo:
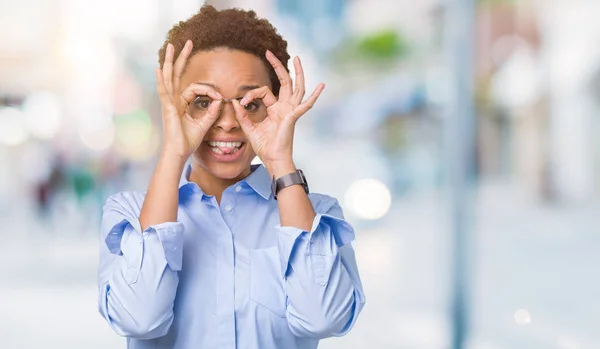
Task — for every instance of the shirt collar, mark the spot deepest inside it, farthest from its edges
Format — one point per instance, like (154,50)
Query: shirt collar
(258,180)
(184,181)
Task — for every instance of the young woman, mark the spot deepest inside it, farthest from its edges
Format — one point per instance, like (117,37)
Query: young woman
(223,254)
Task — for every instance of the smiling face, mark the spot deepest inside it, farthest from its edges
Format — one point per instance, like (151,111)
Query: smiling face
(225,152)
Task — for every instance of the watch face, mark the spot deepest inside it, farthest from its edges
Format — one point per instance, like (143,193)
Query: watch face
(302,176)
(303,180)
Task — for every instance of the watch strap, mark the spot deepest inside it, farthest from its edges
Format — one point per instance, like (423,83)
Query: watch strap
(288,180)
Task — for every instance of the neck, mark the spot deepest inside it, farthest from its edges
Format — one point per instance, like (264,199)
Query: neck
(211,184)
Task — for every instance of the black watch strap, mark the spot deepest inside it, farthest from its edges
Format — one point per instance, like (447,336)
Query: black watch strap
(289,180)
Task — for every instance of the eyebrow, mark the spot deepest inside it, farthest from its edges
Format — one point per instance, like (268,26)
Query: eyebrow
(247,87)
(241,88)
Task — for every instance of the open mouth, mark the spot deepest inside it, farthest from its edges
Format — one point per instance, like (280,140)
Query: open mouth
(225,148)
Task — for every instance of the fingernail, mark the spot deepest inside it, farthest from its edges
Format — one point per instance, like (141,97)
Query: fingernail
(269,53)
(169,48)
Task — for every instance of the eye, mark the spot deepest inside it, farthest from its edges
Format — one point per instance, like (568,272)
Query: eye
(252,107)
(202,102)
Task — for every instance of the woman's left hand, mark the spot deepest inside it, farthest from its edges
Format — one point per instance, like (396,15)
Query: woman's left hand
(272,139)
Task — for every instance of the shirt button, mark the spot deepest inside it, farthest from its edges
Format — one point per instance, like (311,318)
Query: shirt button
(238,188)
(228,208)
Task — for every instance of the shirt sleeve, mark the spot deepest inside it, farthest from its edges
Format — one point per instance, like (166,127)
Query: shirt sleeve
(138,271)
(323,287)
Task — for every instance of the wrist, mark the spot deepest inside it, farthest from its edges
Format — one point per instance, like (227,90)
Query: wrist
(174,160)
(278,169)
(173,156)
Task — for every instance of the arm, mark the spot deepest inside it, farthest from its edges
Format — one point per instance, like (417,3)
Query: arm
(321,278)
(322,283)
(142,243)
(162,197)
(141,253)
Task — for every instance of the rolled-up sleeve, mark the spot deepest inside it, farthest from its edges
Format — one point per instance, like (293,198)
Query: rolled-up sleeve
(323,287)
(137,275)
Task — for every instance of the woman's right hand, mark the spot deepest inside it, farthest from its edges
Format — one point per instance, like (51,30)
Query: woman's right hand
(182,134)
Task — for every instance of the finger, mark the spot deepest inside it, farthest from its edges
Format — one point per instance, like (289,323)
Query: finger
(167,69)
(180,64)
(284,77)
(308,103)
(212,114)
(169,111)
(161,88)
(193,90)
(263,93)
(299,90)
(242,117)
(205,122)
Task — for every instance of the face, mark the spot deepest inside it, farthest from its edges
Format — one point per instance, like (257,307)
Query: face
(225,152)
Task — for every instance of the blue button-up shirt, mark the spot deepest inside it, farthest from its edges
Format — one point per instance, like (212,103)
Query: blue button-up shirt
(227,276)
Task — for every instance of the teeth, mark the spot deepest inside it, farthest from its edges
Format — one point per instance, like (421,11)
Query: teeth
(219,151)
(225,144)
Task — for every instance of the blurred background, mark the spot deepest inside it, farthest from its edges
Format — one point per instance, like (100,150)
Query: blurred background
(80,120)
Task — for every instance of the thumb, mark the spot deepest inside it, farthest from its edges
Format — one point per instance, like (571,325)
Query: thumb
(242,117)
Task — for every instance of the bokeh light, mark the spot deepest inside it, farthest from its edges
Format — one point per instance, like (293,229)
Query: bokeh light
(522,317)
(12,126)
(97,137)
(566,342)
(43,114)
(135,136)
(368,199)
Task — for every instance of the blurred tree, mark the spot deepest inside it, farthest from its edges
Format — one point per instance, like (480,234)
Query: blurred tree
(386,44)
(376,50)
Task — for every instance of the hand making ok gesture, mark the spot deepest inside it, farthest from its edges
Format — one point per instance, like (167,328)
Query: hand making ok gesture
(272,138)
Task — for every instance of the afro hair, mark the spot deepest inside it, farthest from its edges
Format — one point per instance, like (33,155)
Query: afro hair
(230,28)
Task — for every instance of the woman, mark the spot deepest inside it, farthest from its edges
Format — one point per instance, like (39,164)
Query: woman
(227,255)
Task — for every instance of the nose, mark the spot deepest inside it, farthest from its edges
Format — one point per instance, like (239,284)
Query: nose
(227,120)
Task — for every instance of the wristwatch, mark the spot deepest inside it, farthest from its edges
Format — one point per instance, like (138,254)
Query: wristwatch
(288,180)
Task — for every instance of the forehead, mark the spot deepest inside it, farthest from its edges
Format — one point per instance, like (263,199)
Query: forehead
(226,69)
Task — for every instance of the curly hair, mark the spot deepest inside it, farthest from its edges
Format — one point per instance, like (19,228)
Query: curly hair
(230,28)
